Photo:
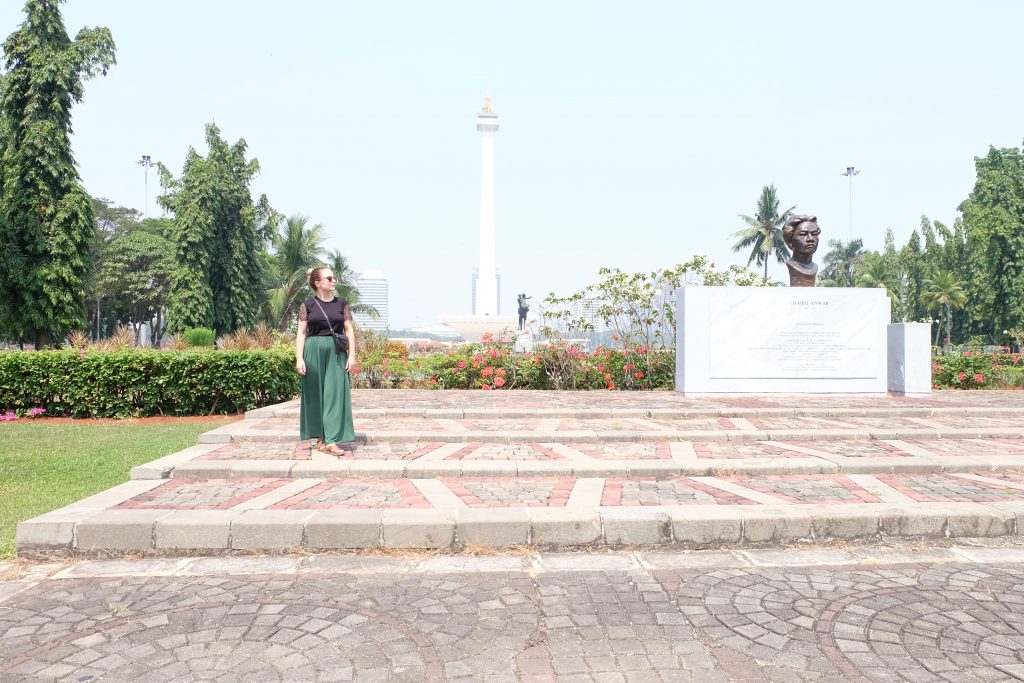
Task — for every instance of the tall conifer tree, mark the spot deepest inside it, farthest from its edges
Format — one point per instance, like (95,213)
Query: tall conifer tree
(46,216)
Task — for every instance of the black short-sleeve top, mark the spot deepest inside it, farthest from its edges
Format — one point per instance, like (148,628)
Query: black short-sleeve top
(337,310)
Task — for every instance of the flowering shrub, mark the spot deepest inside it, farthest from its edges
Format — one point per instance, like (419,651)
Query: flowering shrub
(493,365)
(970,370)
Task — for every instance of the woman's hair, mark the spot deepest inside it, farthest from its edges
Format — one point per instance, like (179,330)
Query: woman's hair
(313,274)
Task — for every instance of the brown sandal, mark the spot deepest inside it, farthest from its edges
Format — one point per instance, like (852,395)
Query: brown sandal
(320,445)
(335,450)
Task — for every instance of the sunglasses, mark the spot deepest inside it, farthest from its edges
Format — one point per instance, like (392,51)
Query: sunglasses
(329,277)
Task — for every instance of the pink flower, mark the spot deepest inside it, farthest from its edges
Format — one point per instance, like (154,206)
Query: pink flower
(961,376)
(487,372)
(461,364)
(979,378)
(478,356)
(638,375)
(81,355)
(36,411)
(499,382)
(8,416)
(935,366)
(485,387)
(600,368)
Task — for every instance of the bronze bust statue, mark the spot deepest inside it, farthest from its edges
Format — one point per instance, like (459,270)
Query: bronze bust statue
(801,235)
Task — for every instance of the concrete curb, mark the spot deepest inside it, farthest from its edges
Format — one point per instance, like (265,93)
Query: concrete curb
(662,413)
(223,531)
(185,465)
(240,432)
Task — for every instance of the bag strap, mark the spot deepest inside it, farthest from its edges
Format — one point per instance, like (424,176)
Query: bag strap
(330,325)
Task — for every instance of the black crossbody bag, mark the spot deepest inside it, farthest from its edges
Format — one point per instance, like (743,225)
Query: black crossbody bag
(340,340)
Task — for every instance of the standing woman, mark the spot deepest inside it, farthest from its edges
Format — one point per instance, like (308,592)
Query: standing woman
(325,412)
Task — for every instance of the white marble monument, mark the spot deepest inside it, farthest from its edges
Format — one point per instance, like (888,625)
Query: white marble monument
(473,327)
(788,340)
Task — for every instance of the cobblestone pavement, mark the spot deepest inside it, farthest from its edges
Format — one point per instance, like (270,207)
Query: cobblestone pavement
(952,614)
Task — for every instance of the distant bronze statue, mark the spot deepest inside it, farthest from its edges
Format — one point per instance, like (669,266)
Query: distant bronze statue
(801,235)
(524,308)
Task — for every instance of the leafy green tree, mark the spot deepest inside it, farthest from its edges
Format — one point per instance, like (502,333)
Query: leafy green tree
(136,272)
(943,291)
(763,234)
(219,237)
(913,266)
(875,271)
(46,216)
(993,220)
(840,263)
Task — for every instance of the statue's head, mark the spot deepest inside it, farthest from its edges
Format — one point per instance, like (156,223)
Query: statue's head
(801,234)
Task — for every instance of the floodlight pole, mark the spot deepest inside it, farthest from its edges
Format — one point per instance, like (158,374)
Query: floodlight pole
(146,162)
(851,171)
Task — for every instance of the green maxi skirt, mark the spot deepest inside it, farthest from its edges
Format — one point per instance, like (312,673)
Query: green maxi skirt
(326,408)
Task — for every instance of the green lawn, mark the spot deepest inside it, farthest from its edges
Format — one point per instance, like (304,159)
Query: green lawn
(47,464)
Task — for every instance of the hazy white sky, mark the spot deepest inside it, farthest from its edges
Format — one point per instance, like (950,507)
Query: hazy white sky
(632,134)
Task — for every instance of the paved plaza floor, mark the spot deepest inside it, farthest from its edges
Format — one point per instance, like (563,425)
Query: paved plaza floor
(557,470)
(547,536)
(910,613)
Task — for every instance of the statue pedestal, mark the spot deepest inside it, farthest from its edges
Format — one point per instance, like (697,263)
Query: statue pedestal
(472,328)
(524,342)
(781,340)
(910,359)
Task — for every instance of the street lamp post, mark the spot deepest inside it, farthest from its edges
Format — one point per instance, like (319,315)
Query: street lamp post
(851,171)
(146,162)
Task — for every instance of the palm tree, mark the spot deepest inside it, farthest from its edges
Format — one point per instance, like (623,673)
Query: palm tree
(346,284)
(841,263)
(943,289)
(296,248)
(763,233)
(874,271)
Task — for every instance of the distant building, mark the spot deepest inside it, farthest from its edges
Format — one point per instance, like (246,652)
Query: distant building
(472,288)
(587,309)
(373,291)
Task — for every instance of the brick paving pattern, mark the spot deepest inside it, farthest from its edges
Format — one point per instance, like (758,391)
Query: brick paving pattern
(206,494)
(739,449)
(979,447)
(638,424)
(496,492)
(854,449)
(675,491)
(808,488)
(509,425)
(388,450)
(504,452)
(711,424)
(622,450)
(345,494)
(947,488)
(255,450)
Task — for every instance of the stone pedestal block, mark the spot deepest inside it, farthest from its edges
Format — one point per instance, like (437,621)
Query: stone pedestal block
(910,356)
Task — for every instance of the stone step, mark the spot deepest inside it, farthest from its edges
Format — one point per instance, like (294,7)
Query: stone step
(665,458)
(475,403)
(513,430)
(680,413)
(279,515)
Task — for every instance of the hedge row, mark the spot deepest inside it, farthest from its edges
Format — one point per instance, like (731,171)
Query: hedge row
(141,383)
